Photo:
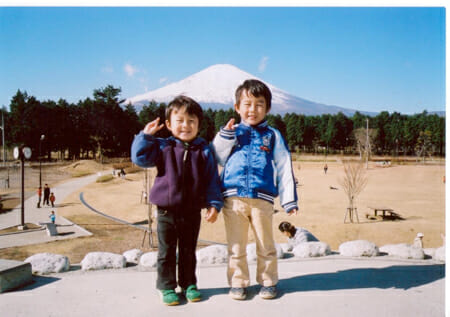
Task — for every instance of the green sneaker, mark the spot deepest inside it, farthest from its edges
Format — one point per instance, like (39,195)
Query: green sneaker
(192,294)
(169,297)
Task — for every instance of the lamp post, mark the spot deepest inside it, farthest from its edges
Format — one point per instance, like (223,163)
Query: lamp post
(40,162)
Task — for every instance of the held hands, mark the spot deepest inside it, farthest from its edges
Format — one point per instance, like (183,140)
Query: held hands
(230,125)
(211,214)
(153,127)
(293,212)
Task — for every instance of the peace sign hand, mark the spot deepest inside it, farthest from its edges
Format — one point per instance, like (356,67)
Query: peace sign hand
(153,127)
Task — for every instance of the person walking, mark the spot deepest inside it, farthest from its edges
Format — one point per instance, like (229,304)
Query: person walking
(46,195)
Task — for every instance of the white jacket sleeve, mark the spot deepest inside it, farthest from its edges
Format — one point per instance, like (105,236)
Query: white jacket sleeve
(285,174)
(222,145)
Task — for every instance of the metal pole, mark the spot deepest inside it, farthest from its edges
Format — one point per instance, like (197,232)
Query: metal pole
(22,196)
(3,140)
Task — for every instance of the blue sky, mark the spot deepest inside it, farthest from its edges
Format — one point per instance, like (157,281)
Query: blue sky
(370,59)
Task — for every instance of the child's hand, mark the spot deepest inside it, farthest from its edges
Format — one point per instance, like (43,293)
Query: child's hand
(293,212)
(230,125)
(153,127)
(211,214)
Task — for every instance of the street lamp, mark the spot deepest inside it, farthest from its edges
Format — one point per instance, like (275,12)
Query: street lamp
(40,162)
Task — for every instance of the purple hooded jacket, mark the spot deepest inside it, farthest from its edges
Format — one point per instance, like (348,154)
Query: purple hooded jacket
(187,172)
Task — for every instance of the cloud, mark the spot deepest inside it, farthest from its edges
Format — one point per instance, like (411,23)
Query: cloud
(263,64)
(163,80)
(130,70)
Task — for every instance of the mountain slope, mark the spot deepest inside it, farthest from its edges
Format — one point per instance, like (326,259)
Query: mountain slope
(214,87)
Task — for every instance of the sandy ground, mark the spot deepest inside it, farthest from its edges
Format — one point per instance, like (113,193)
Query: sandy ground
(416,192)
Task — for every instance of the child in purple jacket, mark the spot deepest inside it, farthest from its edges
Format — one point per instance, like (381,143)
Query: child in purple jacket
(187,180)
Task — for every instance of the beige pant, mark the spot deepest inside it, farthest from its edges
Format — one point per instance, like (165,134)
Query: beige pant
(238,214)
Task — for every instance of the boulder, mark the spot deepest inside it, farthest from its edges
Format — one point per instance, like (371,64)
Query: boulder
(358,248)
(213,254)
(311,249)
(440,254)
(103,260)
(148,260)
(404,251)
(46,263)
(133,256)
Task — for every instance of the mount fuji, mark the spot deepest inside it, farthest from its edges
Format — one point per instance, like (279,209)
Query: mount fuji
(214,88)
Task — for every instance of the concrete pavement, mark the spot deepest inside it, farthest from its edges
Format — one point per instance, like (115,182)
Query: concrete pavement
(329,286)
(66,229)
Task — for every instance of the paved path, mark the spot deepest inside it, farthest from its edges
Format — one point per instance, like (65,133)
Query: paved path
(66,229)
(330,286)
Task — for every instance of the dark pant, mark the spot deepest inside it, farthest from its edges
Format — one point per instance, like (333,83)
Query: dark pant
(177,227)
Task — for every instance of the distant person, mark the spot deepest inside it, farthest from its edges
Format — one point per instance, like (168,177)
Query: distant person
(252,153)
(46,195)
(52,199)
(52,217)
(418,242)
(295,235)
(187,180)
(325,168)
(39,193)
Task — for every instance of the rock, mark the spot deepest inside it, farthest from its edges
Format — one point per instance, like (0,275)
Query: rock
(149,260)
(440,254)
(311,249)
(133,256)
(103,260)
(46,263)
(285,247)
(358,248)
(251,252)
(213,254)
(404,251)
(429,252)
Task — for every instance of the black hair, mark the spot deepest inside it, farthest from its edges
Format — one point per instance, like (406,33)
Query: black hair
(287,227)
(256,88)
(192,107)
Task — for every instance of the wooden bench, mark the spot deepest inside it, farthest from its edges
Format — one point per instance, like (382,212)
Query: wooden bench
(386,212)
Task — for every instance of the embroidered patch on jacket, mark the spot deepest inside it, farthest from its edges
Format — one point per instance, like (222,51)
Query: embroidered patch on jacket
(266,143)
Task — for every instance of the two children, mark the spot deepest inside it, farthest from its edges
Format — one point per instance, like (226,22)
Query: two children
(187,180)
(257,168)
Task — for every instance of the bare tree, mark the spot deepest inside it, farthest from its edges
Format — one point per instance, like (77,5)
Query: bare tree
(353,182)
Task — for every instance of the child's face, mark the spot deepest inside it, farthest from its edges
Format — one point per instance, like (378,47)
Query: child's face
(184,126)
(287,234)
(252,109)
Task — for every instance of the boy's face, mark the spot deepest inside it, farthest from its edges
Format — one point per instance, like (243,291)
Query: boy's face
(287,234)
(252,109)
(184,126)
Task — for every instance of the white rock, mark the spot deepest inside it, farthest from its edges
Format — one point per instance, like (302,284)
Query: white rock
(103,260)
(311,249)
(46,263)
(149,260)
(404,251)
(251,252)
(358,248)
(213,254)
(440,254)
(133,256)
(429,252)
(285,247)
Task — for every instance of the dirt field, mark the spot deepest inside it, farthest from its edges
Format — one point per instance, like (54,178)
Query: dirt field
(416,192)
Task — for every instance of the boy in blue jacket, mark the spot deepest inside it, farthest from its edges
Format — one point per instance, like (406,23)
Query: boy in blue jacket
(257,168)
(187,181)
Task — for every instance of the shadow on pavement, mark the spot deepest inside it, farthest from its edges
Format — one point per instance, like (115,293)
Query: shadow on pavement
(38,281)
(401,277)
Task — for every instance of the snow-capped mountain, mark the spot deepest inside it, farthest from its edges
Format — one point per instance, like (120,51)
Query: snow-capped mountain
(214,88)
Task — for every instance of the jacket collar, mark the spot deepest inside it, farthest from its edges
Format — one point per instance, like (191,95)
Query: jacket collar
(263,124)
(197,142)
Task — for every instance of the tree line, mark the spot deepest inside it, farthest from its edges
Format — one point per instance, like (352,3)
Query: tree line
(102,125)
